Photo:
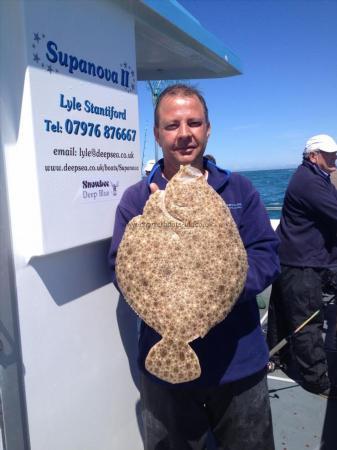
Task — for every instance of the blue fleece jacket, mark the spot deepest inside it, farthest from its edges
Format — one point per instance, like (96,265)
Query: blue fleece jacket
(308,226)
(235,348)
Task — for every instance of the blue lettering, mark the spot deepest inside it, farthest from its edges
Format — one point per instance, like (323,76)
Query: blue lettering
(91,69)
(62,103)
(125,78)
(63,59)
(50,48)
(100,72)
(87,104)
(107,73)
(73,63)
(82,66)
(114,77)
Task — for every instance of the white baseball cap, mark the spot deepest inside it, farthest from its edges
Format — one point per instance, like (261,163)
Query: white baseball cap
(149,165)
(321,142)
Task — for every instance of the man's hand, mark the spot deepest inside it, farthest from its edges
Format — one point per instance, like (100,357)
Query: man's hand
(153,187)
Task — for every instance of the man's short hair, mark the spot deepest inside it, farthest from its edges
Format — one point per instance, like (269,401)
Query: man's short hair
(183,90)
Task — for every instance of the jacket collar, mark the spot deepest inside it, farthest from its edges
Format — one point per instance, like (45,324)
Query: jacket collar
(316,169)
(217,177)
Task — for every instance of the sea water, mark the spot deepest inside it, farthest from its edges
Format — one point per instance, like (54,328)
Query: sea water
(271,185)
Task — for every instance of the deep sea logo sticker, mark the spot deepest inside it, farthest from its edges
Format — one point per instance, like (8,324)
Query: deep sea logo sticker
(48,55)
(93,190)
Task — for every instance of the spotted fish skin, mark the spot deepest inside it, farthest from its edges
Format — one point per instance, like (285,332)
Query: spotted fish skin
(181,266)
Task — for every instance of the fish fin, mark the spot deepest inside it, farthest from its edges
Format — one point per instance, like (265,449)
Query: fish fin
(173,361)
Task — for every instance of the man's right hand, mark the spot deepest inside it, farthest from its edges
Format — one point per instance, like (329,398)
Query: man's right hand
(153,188)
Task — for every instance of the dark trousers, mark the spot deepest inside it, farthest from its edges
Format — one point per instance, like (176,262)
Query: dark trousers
(237,413)
(296,295)
(330,343)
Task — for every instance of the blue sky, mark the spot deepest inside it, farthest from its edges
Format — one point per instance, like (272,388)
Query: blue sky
(288,89)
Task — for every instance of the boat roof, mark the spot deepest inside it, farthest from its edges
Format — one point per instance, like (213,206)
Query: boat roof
(172,44)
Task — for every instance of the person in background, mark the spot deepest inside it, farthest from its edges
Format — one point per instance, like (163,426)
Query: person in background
(149,167)
(231,395)
(330,316)
(308,249)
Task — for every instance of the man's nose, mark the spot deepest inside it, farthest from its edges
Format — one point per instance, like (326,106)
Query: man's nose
(184,130)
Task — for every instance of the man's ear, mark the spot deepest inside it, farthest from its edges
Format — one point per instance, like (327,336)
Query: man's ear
(313,157)
(208,130)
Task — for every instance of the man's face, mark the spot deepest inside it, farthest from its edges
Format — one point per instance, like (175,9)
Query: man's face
(325,161)
(182,130)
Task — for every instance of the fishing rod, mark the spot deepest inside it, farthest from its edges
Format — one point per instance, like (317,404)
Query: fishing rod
(285,340)
(329,279)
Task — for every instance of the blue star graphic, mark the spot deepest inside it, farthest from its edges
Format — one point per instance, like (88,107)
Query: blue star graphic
(50,69)
(36,58)
(37,37)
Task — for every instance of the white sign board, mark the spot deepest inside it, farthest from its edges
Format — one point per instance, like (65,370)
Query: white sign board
(82,79)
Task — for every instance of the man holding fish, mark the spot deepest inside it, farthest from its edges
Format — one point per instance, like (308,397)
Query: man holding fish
(230,396)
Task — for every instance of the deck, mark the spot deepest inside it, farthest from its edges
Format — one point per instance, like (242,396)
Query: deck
(301,420)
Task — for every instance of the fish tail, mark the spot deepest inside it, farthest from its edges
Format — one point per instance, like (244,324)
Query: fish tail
(173,361)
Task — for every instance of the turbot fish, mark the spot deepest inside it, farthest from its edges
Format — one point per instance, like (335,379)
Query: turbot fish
(181,266)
